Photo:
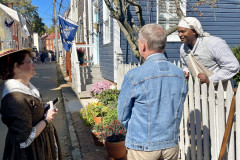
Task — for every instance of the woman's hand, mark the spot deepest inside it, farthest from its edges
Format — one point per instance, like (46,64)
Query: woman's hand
(51,114)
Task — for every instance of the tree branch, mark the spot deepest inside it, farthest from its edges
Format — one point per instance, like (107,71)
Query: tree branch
(138,10)
(113,13)
(134,46)
(178,10)
(171,30)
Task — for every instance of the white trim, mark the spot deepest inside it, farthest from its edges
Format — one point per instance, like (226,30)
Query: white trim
(106,24)
(183,5)
(116,48)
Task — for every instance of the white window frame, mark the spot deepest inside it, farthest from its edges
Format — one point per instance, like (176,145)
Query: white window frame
(183,5)
(106,24)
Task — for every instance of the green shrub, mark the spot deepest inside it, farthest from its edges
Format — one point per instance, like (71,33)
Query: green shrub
(109,97)
(91,110)
(111,115)
(236,52)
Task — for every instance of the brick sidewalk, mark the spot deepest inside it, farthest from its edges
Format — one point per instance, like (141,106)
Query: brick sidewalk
(87,147)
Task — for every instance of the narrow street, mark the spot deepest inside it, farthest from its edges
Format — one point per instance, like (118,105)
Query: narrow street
(46,81)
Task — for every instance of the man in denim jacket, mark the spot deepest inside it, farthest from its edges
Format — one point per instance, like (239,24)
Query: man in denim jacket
(151,100)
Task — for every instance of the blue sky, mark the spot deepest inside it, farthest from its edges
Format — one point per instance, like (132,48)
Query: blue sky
(45,9)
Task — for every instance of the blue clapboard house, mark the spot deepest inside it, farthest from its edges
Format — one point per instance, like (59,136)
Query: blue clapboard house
(222,20)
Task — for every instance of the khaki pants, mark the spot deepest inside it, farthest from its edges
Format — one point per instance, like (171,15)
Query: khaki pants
(163,154)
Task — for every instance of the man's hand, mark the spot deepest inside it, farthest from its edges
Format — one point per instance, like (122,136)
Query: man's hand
(203,78)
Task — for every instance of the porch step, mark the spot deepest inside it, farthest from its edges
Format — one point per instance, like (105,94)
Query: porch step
(89,75)
(84,94)
(87,69)
(86,87)
(87,81)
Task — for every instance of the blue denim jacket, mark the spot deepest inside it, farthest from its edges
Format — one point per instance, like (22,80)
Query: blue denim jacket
(150,104)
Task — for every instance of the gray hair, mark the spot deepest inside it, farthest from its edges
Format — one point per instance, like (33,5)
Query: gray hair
(154,35)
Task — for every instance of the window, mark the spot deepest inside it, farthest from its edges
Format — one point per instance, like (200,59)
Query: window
(167,17)
(106,24)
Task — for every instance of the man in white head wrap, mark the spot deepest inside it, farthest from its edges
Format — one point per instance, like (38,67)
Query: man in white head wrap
(212,52)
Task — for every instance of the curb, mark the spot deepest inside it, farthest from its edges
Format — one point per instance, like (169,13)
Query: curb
(76,154)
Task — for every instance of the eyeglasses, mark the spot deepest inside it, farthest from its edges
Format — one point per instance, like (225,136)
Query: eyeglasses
(30,61)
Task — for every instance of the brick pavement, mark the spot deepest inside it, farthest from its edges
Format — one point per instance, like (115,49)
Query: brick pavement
(87,147)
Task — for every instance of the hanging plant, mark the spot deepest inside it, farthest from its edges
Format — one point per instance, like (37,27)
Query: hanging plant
(8,24)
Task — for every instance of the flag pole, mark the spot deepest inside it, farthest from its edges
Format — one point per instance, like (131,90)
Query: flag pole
(56,34)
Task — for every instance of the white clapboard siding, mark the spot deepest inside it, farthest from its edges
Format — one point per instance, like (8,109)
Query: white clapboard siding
(204,119)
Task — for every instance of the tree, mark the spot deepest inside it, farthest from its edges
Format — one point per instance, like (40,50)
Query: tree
(38,25)
(51,29)
(120,11)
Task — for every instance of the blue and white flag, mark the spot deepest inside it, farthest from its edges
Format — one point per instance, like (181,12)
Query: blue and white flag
(68,31)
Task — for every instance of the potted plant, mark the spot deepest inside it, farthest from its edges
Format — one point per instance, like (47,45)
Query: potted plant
(109,97)
(88,112)
(110,116)
(114,136)
(80,53)
(96,131)
(99,112)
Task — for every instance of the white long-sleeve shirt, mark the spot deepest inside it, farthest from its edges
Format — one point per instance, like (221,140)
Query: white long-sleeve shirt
(215,54)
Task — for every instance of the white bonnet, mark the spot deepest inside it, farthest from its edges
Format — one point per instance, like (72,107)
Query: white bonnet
(193,23)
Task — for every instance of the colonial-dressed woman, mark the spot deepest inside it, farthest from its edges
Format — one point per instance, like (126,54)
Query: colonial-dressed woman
(31,135)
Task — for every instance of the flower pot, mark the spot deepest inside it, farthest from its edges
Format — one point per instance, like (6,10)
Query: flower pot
(116,149)
(96,139)
(98,120)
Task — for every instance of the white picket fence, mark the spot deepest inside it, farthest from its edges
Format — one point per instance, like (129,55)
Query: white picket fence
(204,118)
(122,70)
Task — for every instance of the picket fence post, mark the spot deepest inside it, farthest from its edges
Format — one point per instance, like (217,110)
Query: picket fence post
(205,122)
(221,118)
(238,123)
(229,96)
(192,117)
(213,119)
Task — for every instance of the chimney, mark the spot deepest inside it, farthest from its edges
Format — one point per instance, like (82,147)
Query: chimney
(8,4)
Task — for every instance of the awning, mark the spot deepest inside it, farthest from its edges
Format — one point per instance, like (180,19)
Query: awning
(12,13)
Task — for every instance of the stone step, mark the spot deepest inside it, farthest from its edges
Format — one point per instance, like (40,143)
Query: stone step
(84,94)
(87,69)
(91,75)
(86,81)
(86,87)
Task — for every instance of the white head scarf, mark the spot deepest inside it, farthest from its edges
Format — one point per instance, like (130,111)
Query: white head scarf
(193,23)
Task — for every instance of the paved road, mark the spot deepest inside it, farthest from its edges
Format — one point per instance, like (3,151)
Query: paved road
(46,81)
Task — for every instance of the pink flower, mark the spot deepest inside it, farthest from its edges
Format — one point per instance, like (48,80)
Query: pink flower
(99,87)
